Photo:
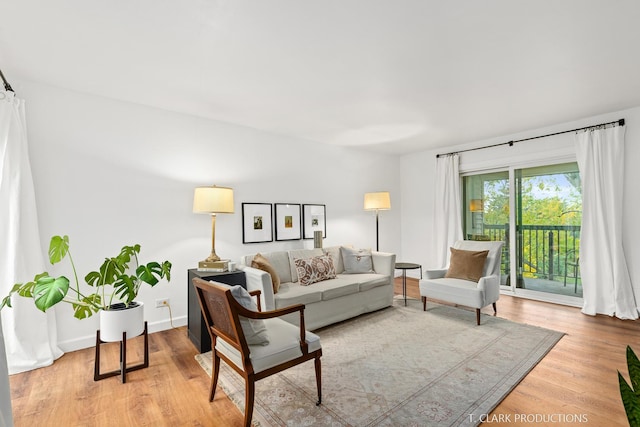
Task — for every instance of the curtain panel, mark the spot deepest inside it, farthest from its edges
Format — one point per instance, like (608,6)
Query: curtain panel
(606,282)
(29,335)
(447,208)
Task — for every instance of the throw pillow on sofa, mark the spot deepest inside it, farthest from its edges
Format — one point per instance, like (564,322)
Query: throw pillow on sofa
(255,330)
(262,263)
(356,261)
(315,269)
(466,265)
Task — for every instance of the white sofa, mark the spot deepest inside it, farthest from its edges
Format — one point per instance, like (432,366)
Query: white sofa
(328,301)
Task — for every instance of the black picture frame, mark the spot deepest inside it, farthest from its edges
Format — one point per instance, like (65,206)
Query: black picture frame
(314,218)
(257,222)
(288,221)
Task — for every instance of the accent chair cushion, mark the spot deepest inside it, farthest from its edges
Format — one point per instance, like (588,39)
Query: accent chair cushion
(259,261)
(315,269)
(466,265)
(255,330)
(356,261)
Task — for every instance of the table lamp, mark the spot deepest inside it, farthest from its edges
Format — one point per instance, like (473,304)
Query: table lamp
(378,201)
(212,200)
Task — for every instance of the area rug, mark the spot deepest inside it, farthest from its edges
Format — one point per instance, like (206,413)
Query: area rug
(400,366)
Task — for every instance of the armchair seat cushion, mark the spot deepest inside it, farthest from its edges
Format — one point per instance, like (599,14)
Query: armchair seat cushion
(284,345)
(457,291)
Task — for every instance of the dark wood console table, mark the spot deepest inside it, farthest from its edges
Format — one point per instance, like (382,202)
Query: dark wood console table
(196,328)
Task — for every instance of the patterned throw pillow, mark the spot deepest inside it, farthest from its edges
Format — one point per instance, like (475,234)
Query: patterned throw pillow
(316,269)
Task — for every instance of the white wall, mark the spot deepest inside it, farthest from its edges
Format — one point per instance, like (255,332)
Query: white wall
(417,178)
(109,173)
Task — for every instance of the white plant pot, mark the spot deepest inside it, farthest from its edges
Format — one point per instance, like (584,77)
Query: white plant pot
(114,322)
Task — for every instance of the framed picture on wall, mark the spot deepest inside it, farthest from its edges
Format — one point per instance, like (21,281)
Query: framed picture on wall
(314,219)
(288,221)
(257,220)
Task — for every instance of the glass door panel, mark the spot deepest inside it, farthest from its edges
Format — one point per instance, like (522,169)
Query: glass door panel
(548,214)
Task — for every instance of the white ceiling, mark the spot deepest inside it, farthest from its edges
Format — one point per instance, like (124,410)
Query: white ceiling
(396,76)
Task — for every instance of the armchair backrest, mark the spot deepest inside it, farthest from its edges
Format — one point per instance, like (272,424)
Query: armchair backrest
(219,309)
(492,264)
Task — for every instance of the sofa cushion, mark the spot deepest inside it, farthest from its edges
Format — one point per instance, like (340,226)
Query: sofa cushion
(293,293)
(300,254)
(356,261)
(315,269)
(466,265)
(368,281)
(260,262)
(336,256)
(336,288)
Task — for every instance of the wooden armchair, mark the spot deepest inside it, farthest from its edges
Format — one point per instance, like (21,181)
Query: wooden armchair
(288,345)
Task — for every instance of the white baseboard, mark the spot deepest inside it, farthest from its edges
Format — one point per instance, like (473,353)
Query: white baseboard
(90,341)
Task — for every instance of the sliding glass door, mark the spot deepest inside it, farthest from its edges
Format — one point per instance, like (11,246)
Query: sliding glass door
(537,212)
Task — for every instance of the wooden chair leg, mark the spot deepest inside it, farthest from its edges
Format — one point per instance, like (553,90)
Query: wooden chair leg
(478,316)
(495,310)
(214,376)
(424,303)
(249,396)
(319,380)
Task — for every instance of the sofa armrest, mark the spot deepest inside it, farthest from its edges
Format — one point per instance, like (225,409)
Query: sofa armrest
(436,274)
(384,263)
(491,287)
(260,280)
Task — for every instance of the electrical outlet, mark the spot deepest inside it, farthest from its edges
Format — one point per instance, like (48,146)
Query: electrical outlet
(162,302)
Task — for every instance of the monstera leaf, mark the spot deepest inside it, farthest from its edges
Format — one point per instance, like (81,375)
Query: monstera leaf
(631,392)
(49,291)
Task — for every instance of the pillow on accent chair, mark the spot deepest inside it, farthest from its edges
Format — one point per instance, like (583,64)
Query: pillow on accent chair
(466,265)
(315,269)
(262,263)
(255,330)
(356,260)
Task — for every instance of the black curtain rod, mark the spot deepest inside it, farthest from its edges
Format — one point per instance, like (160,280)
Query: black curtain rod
(7,86)
(510,143)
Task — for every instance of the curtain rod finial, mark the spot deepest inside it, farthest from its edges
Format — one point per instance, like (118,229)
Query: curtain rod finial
(621,122)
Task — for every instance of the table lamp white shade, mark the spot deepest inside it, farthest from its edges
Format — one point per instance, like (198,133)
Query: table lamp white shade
(212,200)
(378,201)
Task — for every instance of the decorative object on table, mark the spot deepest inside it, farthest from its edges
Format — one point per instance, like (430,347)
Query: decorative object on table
(314,219)
(378,201)
(317,239)
(440,372)
(257,222)
(630,393)
(116,284)
(255,344)
(288,221)
(212,200)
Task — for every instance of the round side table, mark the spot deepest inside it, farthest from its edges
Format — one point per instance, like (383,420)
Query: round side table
(404,266)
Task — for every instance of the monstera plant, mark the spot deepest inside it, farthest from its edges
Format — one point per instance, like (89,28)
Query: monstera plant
(115,283)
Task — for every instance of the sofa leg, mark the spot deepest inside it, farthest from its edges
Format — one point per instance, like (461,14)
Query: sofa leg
(424,303)
(495,310)
(478,316)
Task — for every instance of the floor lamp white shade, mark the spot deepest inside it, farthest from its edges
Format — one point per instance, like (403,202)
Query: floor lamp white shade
(377,201)
(213,200)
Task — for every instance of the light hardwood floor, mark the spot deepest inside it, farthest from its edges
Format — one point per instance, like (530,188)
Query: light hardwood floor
(576,379)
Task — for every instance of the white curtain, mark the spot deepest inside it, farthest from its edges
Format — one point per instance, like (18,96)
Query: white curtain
(29,335)
(447,212)
(605,278)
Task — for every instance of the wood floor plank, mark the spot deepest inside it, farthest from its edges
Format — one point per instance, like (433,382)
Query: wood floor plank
(577,378)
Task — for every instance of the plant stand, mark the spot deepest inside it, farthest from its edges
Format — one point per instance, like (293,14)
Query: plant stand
(123,357)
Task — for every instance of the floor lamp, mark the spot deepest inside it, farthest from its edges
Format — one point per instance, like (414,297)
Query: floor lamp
(212,200)
(378,201)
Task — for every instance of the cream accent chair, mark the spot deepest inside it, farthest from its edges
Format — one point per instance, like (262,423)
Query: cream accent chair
(465,292)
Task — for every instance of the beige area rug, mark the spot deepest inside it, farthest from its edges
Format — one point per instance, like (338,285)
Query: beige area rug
(400,367)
